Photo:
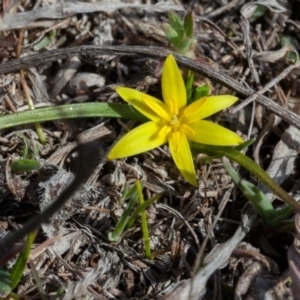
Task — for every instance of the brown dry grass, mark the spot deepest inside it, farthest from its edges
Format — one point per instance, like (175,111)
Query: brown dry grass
(72,251)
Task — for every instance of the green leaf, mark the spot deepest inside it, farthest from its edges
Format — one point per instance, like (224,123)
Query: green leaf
(256,197)
(45,41)
(181,45)
(293,55)
(115,236)
(170,33)
(129,192)
(71,111)
(259,12)
(280,220)
(60,292)
(186,47)
(189,86)
(188,24)
(179,33)
(251,166)
(288,40)
(141,208)
(144,222)
(20,264)
(26,147)
(200,92)
(5,283)
(176,23)
(272,218)
(124,192)
(25,165)
(245,145)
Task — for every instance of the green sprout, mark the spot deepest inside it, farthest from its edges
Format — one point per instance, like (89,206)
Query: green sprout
(130,214)
(144,222)
(9,279)
(271,217)
(132,195)
(181,33)
(234,154)
(293,55)
(25,164)
(30,104)
(45,41)
(259,11)
(195,93)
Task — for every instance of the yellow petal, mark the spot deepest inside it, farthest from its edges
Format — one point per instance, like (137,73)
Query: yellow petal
(206,107)
(135,98)
(159,107)
(192,112)
(187,130)
(165,129)
(213,134)
(173,87)
(141,139)
(182,156)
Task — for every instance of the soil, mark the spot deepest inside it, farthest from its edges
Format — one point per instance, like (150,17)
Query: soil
(207,242)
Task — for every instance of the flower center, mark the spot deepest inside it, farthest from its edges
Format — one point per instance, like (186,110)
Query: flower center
(176,126)
(174,121)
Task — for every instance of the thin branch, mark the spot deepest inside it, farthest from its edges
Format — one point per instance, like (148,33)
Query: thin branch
(158,52)
(267,87)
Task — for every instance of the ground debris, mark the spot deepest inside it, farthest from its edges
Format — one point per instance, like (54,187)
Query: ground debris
(191,229)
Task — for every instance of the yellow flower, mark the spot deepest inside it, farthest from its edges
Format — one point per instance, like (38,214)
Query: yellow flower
(174,122)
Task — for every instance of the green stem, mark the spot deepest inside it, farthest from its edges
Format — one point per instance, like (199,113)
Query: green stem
(115,236)
(257,198)
(71,111)
(272,218)
(287,225)
(29,101)
(40,133)
(251,166)
(141,208)
(20,264)
(282,215)
(14,296)
(144,222)
(45,41)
